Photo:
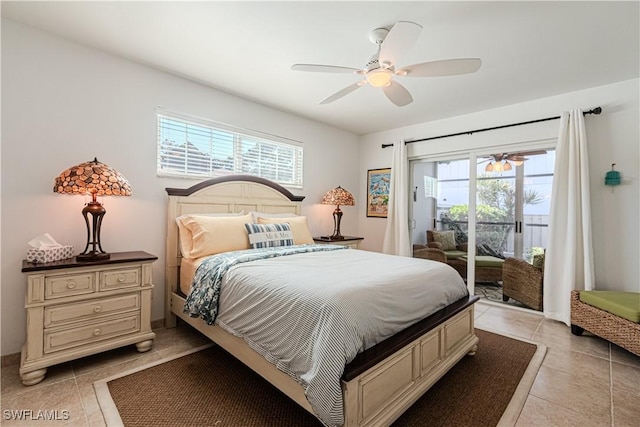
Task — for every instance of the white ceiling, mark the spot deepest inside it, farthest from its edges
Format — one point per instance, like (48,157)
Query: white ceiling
(529,50)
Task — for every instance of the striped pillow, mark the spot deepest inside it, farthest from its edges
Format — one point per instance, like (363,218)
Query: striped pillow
(269,235)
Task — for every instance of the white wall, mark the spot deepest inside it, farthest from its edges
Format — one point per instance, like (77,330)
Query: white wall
(613,137)
(63,104)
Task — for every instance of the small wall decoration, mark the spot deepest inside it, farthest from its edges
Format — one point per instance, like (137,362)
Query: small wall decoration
(378,181)
(612,177)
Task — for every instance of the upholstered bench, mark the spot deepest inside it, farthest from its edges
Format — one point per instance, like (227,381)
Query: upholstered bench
(614,316)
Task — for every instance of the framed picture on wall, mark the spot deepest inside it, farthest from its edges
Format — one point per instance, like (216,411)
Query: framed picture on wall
(378,181)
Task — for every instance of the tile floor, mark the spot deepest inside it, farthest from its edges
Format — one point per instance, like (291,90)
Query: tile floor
(584,381)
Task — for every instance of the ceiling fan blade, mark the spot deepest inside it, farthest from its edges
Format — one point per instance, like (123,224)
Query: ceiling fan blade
(347,90)
(446,67)
(325,68)
(529,153)
(400,39)
(397,94)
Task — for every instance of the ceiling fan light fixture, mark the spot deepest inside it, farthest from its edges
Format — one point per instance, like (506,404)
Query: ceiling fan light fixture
(379,78)
(507,166)
(489,167)
(518,162)
(498,167)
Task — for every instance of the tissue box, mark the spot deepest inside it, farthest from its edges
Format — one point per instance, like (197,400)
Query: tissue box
(50,254)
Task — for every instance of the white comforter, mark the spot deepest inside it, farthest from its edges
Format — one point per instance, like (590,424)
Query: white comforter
(311,313)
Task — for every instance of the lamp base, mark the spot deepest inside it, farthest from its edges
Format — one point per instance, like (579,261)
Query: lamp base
(337,217)
(92,256)
(93,251)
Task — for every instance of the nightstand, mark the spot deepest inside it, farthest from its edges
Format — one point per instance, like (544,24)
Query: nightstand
(75,309)
(351,241)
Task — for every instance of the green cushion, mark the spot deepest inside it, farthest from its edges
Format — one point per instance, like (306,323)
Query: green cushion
(487,261)
(455,254)
(622,304)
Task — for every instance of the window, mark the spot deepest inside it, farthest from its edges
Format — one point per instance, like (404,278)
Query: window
(195,148)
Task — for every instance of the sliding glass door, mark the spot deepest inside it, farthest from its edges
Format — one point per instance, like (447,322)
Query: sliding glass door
(513,195)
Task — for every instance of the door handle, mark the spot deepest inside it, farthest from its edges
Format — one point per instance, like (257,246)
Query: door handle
(518,227)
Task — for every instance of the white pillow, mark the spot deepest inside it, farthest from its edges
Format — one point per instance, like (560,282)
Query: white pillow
(202,235)
(301,233)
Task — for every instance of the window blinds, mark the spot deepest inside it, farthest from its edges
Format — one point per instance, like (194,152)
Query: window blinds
(197,148)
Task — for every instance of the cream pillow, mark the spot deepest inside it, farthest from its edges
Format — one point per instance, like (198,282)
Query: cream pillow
(256,215)
(212,234)
(299,228)
(184,233)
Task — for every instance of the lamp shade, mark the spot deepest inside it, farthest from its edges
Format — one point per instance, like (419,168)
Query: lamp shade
(92,178)
(97,179)
(338,196)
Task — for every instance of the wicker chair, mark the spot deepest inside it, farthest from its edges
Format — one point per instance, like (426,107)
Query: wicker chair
(460,250)
(522,282)
(421,251)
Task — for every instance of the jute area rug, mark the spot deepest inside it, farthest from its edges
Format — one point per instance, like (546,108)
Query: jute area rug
(211,388)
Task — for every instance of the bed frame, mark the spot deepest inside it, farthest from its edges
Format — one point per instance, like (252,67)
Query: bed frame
(382,382)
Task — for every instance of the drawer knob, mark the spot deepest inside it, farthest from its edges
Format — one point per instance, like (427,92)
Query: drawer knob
(71,285)
(97,309)
(121,279)
(96,332)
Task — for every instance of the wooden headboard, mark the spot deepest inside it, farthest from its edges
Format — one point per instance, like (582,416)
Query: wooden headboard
(228,194)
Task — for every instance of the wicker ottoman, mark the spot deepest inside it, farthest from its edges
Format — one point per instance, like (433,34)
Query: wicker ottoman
(615,329)
(488,268)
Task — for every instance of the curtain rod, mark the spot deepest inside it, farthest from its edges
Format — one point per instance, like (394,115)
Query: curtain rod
(596,110)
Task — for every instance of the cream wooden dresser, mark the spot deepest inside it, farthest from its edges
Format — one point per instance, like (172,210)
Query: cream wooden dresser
(75,309)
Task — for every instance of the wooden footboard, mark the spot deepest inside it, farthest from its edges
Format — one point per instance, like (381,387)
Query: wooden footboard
(383,381)
(382,392)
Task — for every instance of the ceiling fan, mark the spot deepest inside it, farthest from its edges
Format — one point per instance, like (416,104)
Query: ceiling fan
(381,70)
(500,162)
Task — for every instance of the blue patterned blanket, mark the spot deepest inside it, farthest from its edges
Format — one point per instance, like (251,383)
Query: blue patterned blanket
(202,300)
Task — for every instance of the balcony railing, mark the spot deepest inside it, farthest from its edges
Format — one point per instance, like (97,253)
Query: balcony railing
(499,236)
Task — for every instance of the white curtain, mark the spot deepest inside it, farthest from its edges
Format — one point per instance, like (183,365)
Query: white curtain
(569,255)
(396,237)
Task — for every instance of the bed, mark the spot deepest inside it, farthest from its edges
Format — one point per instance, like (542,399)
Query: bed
(383,379)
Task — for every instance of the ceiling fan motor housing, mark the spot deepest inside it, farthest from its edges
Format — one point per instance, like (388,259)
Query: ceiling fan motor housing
(378,35)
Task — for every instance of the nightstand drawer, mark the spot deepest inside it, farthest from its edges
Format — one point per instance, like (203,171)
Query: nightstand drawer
(62,286)
(65,313)
(63,339)
(116,279)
